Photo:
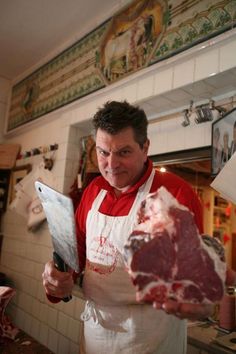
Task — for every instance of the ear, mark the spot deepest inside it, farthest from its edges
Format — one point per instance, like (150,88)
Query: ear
(146,146)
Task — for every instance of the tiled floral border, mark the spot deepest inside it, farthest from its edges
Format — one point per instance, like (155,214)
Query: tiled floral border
(144,33)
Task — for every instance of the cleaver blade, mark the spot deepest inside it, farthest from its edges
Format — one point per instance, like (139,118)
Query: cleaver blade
(59,212)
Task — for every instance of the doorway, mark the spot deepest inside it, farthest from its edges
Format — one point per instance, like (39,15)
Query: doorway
(219,216)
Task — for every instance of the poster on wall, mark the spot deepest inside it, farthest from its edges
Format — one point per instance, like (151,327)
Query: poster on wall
(223,141)
(224,182)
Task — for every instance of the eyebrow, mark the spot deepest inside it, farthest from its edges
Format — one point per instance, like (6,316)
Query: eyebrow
(122,148)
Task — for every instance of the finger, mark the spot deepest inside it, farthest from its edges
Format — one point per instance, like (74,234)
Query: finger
(157,305)
(53,276)
(56,283)
(188,311)
(171,306)
(59,290)
(197,311)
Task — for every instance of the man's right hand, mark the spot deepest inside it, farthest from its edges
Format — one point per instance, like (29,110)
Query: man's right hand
(57,284)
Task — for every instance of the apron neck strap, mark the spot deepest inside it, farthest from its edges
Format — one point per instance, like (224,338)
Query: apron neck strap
(142,193)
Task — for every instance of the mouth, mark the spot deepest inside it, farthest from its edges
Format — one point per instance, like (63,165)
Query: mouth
(114,173)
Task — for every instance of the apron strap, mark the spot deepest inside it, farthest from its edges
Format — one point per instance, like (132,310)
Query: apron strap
(144,190)
(98,200)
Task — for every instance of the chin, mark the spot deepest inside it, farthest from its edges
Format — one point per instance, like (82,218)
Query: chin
(116,184)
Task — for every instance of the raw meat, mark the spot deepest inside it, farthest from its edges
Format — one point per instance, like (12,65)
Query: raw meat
(167,258)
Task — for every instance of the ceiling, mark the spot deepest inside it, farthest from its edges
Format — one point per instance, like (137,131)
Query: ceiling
(32,29)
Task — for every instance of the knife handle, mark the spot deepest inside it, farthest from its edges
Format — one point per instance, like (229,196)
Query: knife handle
(62,267)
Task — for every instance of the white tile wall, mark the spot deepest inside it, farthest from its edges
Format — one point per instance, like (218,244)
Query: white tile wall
(187,67)
(44,313)
(63,323)
(53,340)
(19,317)
(227,55)
(52,317)
(172,136)
(43,334)
(63,345)
(73,329)
(74,348)
(35,328)
(206,64)
(163,81)
(27,323)
(145,88)
(69,308)
(129,93)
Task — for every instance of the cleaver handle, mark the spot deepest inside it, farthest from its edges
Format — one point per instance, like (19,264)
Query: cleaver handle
(62,267)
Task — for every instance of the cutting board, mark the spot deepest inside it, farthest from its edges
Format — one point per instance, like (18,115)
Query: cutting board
(8,155)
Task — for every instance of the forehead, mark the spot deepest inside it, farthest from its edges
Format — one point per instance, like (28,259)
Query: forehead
(123,138)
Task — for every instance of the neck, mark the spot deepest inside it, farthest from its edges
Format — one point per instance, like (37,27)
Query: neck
(118,192)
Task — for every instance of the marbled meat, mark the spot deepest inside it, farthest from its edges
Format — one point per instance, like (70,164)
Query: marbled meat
(167,258)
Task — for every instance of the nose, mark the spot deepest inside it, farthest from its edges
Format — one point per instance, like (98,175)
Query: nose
(113,161)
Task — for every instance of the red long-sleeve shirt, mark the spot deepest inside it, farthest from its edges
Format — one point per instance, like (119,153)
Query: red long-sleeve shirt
(120,206)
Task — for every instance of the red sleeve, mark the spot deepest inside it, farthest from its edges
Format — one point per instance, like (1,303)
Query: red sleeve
(183,192)
(81,213)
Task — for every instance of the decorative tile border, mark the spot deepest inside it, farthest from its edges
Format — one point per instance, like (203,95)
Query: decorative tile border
(145,32)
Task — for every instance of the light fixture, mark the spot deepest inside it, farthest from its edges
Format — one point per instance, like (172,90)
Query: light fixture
(203,113)
(213,107)
(187,113)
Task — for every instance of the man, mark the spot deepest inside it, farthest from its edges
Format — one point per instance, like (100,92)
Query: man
(113,321)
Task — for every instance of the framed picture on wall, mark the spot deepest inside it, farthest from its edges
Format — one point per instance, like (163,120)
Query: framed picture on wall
(17,174)
(223,141)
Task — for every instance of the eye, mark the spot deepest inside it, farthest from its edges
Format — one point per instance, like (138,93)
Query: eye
(124,152)
(103,153)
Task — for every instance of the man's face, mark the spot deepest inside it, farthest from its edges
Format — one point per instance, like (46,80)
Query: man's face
(120,158)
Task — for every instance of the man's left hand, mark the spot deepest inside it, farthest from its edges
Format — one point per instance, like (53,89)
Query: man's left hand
(192,312)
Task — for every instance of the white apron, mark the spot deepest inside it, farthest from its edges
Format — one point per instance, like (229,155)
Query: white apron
(113,321)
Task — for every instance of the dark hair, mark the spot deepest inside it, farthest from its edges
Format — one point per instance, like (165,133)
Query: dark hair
(115,116)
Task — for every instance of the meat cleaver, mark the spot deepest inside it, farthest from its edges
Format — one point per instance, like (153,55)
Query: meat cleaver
(59,212)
